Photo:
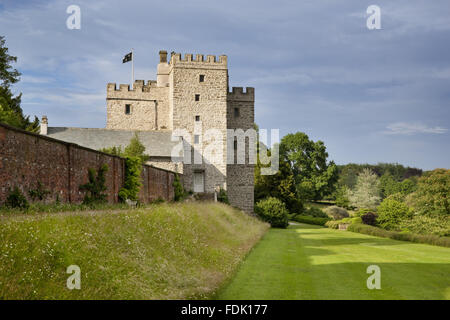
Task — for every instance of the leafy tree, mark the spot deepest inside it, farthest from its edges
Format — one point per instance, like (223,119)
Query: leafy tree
(136,149)
(314,177)
(280,185)
(391,213)
(366,192)
(96,187)
(433,192)
(10,110)
(115,151)
(341,197)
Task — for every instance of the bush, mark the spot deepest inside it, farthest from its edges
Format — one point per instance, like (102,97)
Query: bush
(132,185)
(315,212)
(438,225)
(362,211)
(179,193)
(16,199)
(273,211)
(222,196)
(337,212)
(374,231)
(310,219)
(391,212)
(334,224)
(40,193)
(369,218)
(96,186)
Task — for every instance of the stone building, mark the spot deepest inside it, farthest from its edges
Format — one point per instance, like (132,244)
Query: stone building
(184,119)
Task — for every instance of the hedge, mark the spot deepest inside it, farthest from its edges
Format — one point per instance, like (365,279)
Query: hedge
(310,220)
(419,238)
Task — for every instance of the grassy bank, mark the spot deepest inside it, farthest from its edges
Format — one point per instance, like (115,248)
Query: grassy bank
(311,262)
(166,251)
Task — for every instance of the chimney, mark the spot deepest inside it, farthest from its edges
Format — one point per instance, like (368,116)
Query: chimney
(162,56)
(162,76)
(44,125)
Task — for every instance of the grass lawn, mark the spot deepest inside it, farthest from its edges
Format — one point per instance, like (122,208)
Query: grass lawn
(311,262)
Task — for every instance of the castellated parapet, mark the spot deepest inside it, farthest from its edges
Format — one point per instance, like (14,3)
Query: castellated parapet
(191,93)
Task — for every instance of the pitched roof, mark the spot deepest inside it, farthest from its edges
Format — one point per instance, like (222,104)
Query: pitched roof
(157,143)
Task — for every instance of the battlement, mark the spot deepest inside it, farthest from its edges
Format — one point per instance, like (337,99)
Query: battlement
(139,86)
(238,93)
(176,59)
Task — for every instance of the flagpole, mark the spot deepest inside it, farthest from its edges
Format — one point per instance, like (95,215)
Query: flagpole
(132,68)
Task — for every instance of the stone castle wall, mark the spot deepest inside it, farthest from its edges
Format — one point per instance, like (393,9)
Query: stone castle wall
(240,178)
(149,106)
(211,108)
(27,158)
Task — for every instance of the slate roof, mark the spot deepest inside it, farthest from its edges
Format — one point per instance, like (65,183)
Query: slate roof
(157,143)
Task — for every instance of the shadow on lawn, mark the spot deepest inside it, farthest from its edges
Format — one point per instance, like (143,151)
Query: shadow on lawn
(333,238)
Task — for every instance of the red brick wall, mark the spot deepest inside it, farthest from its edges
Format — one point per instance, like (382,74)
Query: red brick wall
(26,158)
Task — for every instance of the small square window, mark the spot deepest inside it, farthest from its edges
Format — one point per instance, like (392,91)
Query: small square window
(236,112)
(197,97)
(128,109)
(202,78)
(196,139)
(197,118)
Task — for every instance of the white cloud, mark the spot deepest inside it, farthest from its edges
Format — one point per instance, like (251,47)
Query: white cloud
(404,128)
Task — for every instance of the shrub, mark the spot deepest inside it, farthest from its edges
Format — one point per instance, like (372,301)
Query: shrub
(310,220)
(96,186)
(222,196)
(438,225)
(391,212)
(337,212)
(334,224)
(40,193)
(179,193)
(16,199)
(315,212)
(130,190)
(362,211)
(374,231)
(273,211)
(369,218)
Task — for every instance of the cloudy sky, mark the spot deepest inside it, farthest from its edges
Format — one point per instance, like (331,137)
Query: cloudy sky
(370,95)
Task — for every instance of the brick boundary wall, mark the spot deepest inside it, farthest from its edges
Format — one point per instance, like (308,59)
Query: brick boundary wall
(26,158)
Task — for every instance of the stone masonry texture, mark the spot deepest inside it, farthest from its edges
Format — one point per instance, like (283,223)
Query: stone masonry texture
(27,158)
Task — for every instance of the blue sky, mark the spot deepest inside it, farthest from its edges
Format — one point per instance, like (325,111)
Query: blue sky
(370,95)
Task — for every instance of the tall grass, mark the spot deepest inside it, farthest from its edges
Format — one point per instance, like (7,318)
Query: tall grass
(165,251)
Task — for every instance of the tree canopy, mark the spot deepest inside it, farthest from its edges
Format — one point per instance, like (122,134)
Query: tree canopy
(10,109)
(314,176)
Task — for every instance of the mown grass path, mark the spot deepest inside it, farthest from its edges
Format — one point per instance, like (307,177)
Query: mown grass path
(310,262)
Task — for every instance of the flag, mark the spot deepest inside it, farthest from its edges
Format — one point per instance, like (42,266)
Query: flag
(128,57)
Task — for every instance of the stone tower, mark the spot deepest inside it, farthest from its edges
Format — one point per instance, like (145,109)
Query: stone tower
(191,94)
